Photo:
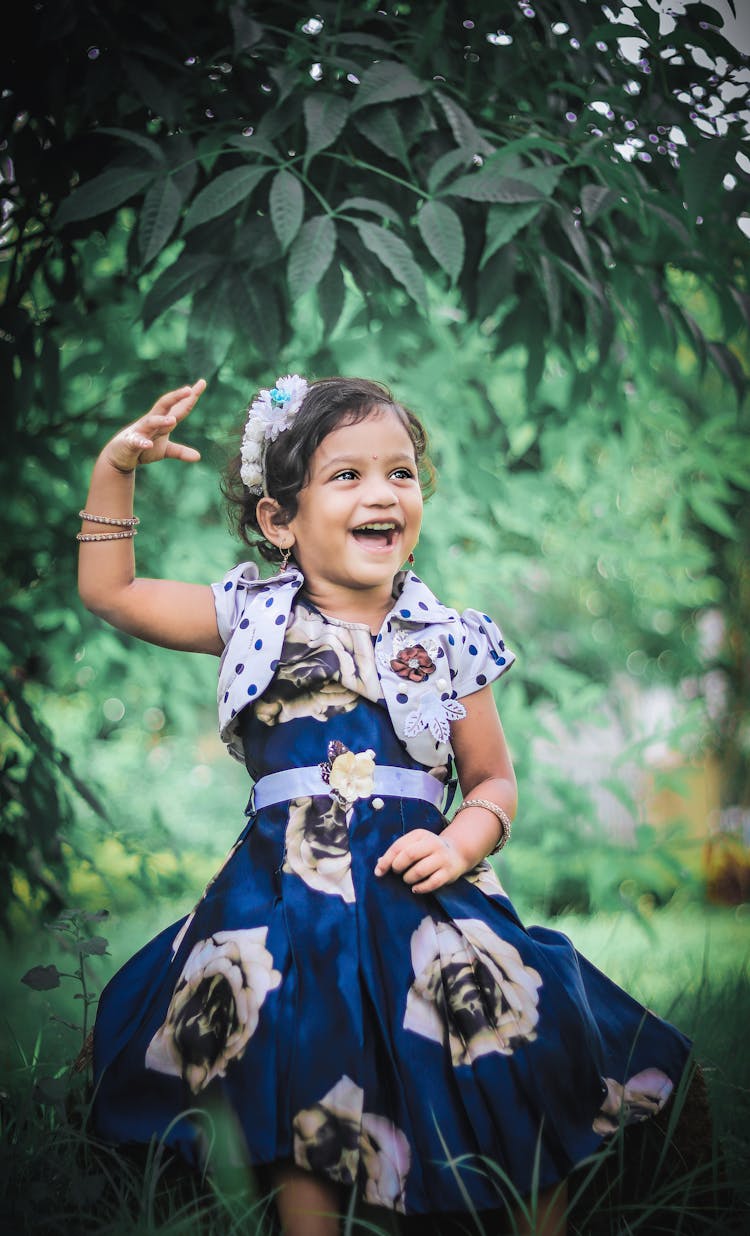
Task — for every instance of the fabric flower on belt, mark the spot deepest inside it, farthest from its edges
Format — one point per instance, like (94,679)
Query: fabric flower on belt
(414,663)
(350,774)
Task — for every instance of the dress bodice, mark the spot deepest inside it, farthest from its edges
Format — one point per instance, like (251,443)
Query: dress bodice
(325,687)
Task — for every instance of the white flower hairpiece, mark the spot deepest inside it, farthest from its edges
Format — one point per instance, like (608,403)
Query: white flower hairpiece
(268,416)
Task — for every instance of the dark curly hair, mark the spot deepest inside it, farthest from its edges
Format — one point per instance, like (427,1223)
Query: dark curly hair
(329,402)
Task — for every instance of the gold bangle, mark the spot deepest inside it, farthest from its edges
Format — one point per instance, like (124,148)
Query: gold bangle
(132,521)
(107,536)
(499,814)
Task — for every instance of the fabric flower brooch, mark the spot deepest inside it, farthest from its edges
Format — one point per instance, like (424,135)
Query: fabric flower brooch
(413,662)
(435,707)
(350,774)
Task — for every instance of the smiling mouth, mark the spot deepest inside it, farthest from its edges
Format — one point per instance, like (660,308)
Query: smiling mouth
(376,535)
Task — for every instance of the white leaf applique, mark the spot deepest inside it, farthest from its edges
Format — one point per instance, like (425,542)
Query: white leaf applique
(434,714)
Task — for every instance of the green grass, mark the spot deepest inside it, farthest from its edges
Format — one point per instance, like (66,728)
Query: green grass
(690,966)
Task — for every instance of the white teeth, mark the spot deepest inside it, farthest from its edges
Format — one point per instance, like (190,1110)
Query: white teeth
(376,528)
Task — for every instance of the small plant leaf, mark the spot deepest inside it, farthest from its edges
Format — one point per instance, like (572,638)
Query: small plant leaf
(502,224)
(385,81)
(42,978)
(311,254)
(245,29)
(331,297)
(325,117)
(286,201)
(381,127)
(397,257)
(95,946)
(441,230)
(464,131)
(159,217)
(493,186)
(105,192)
(370,206)
(137,139)
(595,200)
(222,194)
(446,164)
(51,1089)
(190,273)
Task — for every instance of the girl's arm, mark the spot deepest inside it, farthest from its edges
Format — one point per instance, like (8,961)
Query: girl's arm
(484,770)
(161,611)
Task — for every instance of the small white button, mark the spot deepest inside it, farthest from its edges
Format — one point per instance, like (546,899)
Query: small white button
(377,803)
(442,683)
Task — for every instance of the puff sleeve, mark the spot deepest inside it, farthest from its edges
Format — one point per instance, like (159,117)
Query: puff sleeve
(483,656)
(230,596)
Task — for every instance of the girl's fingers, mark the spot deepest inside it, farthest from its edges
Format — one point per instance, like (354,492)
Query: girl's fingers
(179,402)
(423,870)
(175,450)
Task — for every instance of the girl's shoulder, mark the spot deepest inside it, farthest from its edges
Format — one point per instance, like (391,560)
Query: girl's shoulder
(242,595)
(468,644)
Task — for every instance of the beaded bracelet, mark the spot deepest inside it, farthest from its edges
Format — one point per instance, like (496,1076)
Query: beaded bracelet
(131,521)
(498,812)
(107,536)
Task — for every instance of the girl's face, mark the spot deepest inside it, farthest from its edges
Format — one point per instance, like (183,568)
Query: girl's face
(359,515)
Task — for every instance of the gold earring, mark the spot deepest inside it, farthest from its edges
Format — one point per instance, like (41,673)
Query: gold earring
(286,553)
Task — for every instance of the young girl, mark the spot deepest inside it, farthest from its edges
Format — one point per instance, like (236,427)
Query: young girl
(354,985)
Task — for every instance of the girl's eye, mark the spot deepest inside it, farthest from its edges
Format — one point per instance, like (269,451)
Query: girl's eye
(403,474)
(348,474)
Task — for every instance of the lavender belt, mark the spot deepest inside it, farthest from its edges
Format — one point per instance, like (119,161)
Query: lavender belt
(279,787)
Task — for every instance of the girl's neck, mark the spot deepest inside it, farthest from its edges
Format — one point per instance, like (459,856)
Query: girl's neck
(369,606)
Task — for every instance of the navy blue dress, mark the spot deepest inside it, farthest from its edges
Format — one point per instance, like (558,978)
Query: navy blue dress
(395,1042)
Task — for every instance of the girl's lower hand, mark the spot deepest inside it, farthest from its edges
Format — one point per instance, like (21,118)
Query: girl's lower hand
(148,439)
(424,859)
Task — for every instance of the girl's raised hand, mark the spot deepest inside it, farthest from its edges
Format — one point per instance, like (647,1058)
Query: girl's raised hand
(148,439)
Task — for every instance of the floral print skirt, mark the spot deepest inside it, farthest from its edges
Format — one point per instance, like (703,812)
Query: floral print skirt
(405,1045)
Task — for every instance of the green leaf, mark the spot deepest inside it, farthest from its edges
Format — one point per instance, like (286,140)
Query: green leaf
(246,31)
(551,288)
(465,132)
(190,273)
(385,81)
(159,217)
(381,127)
(397,257)
(370,206)
(211,328)
(103,193)
(709,512)
(325,117)
(331,297)
(136,139)
(493,186)
(286,201)
(503,222)
(728,364)
(446,164)
(42,978)
(227,190)
(311,254)
(441,230)
(255,311)
(596,200)
(251,144)
(95,946)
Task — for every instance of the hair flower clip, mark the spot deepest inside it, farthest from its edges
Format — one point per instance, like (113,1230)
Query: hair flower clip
(268,416)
